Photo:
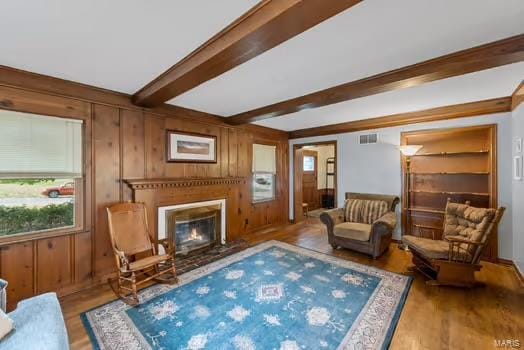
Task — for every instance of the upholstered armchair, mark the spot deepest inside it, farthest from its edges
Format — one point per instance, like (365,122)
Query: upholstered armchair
(365,224)
(454,259)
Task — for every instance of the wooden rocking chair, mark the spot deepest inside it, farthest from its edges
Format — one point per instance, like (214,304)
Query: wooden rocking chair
(454,260)
(136,257)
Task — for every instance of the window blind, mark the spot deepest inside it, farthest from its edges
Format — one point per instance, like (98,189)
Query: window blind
(264,158)
(39,146)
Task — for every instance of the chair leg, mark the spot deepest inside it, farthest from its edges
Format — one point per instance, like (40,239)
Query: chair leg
(173,271)
(133,287)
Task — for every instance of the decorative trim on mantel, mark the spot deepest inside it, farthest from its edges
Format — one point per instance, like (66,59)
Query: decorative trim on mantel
(149,184)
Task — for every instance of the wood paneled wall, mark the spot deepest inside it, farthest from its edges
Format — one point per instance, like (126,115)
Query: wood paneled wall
(124,142)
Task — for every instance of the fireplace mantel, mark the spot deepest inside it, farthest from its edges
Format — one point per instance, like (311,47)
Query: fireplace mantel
(161,192)
(148,184)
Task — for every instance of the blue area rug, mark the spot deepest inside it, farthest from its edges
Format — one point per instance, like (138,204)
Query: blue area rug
(272,296)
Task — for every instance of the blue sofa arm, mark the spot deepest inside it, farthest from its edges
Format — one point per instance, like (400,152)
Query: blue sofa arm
(39,325)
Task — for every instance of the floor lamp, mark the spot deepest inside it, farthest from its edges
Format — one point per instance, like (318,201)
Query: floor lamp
(407,151)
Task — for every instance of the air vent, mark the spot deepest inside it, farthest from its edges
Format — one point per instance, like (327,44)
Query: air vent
(368,139)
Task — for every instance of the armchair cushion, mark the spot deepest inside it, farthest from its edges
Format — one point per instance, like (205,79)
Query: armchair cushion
(364,211)
(353,230)
(429,248)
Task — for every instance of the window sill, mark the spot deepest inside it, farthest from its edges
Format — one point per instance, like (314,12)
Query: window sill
(28,237)
(262,201)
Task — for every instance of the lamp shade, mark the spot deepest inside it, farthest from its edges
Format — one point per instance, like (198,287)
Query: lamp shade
(409,150)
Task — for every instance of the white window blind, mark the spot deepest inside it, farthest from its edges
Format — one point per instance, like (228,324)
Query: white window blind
(264,158)
(39,146)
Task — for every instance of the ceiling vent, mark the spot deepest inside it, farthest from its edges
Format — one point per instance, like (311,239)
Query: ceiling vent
(368,139)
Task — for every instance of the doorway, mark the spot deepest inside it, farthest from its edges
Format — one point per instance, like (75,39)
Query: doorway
(314,178)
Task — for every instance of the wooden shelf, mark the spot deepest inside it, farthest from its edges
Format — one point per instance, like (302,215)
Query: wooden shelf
(451,193)
(428,227)
(426,210)
(457,164)
(451,173)
(484,151)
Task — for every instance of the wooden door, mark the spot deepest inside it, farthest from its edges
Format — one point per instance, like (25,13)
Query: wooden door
(297,183)
(310,179)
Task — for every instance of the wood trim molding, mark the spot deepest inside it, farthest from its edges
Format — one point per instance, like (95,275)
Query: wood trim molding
(34,82)
(498,53)
(149,184)
(518,96)
(265,26)
(470,109)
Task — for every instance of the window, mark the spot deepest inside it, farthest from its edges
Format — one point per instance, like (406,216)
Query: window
(309,163)
(264,170)
(41,180)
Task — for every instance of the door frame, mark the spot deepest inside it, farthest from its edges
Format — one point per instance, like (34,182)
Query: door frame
(335,180)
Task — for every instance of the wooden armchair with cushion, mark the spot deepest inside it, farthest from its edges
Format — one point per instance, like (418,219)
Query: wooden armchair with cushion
(454,259)
(365,224)
(136,257)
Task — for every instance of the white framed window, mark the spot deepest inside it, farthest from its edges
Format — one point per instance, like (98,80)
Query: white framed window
(309,163)
(263,187)
(41,173)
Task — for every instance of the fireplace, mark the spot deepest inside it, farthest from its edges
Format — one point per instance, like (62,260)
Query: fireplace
(192,227)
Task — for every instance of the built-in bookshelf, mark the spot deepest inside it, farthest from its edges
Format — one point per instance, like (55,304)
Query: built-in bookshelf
(459,164)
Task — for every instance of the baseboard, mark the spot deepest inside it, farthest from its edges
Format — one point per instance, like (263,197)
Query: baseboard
(505,261)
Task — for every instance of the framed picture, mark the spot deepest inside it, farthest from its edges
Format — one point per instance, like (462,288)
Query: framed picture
(518,145)
(517,168)
(185,147)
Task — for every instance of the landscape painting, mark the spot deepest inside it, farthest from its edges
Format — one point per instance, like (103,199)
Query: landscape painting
(188,147)
(192,147)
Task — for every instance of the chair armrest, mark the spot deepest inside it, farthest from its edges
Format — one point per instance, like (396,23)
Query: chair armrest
(461,240)
(388,221)
(169,249)
(459,248)
(124,261)
(332,217)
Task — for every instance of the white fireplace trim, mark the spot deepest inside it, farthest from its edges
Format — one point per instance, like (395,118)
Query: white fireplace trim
(162,234)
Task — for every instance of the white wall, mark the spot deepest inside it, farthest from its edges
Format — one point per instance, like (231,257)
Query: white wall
(518,195)
(377,168)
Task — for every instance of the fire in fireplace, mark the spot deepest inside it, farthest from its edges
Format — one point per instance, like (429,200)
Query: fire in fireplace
(194,228)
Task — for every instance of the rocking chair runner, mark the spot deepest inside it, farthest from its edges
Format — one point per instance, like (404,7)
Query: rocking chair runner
(130,237)
(454,259)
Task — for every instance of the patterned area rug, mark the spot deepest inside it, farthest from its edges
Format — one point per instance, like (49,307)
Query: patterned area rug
(271,296)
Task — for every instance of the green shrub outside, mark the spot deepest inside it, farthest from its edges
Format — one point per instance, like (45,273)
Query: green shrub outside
(29,219)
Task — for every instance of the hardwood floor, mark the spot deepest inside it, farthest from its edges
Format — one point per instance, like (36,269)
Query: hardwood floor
(433,317)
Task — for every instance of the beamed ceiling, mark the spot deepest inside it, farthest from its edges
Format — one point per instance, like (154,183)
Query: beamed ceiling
(271,62)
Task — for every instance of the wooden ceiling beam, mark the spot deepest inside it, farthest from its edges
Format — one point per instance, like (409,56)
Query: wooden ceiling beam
(518,96)
(471,109)
(265,26)
(498,53)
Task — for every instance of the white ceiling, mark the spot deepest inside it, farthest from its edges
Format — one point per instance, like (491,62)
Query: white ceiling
(123,44)
(115,44)
(487,84)
(372,37)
